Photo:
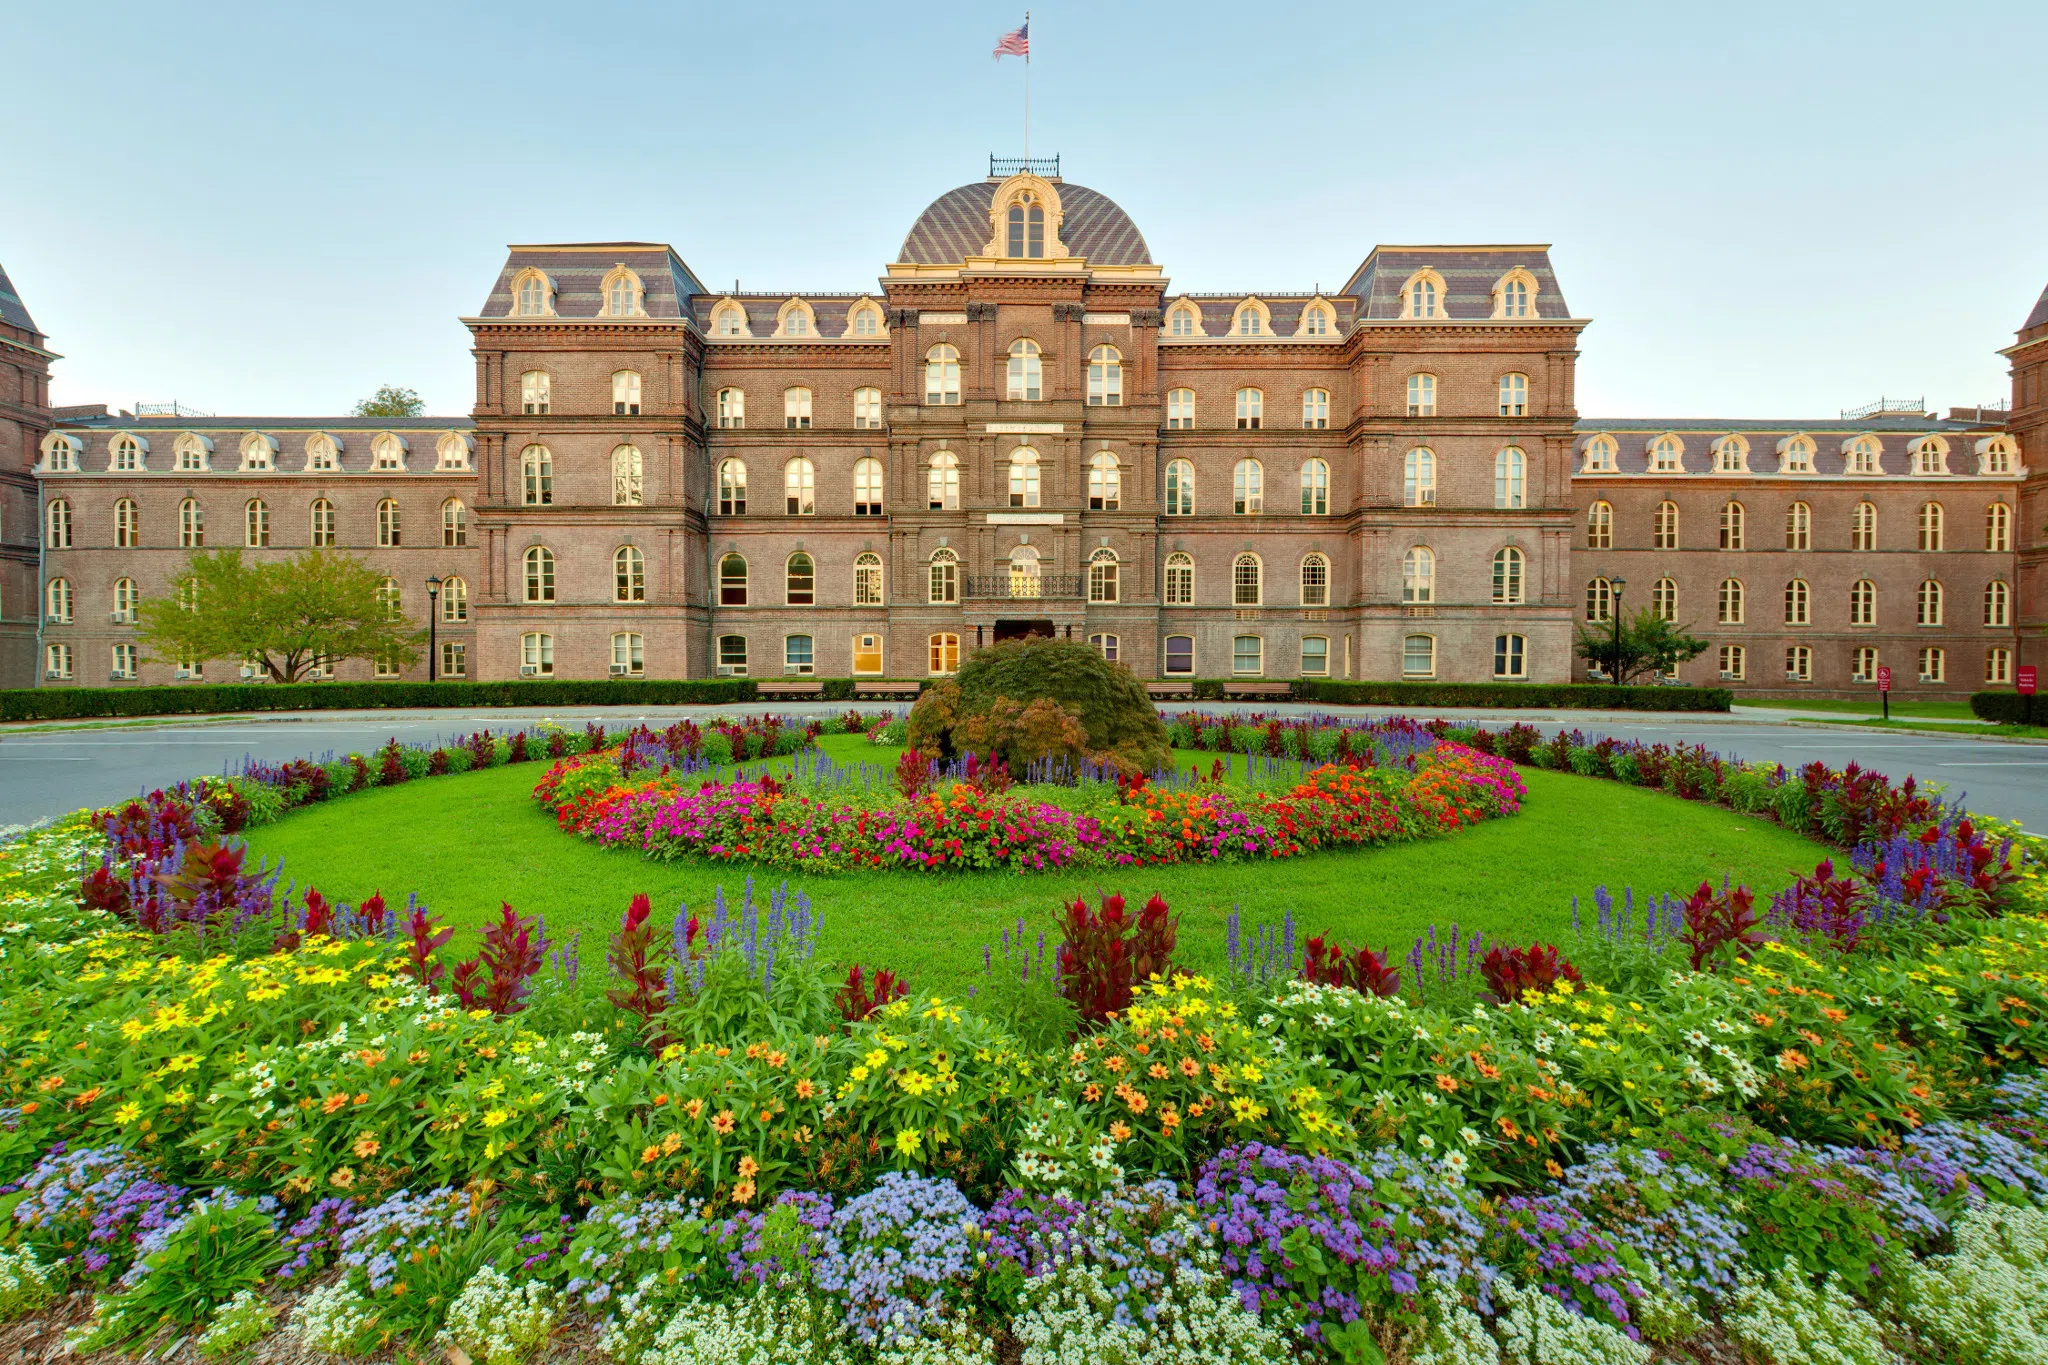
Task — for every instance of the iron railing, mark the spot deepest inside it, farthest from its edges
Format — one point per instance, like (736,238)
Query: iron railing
(1023,587)
(1003,167)
(1887,407)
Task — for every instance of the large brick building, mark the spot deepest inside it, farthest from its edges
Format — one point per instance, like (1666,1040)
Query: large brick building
(1024,428)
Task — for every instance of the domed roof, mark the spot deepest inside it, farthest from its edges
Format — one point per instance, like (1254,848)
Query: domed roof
(955,227)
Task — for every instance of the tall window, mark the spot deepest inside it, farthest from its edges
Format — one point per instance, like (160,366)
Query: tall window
(454,601)
(942,483)
(1798,663)
(626,394)
(1933,664)
(1315,489)
(255,524)
(796,409)
(1422,297)
(1731,525)
(1248,488)
(454,524)
(1798,603)
(867,653)
(1664,599)
(1514,395)
(1514,297)
(1600,525)
(1103,575)
(1418,656)
(867,580)
(534,396)
(1664,529)
(867,403)
(1105,482)
(392,598)
(323,524)
(1180,410)
(732,580)
(1799,527)
(1023,477)
(1930,527)
(1863,603)
(1180,489)
(622,294)
(732,656)
(127,597)
(1599,600)
(629,653)
(1418,576)
(1248,656)
(1251,408)
(57,661)
(1998,528)
(127,525)
(797,654)
(540,574)
(1180,654)
(533,295)
(1863,527)
(388,530)
(629,575)
(1507,577)
(1510,478)
(537,654)
(732,409)
(124,660)
(799,488)
(1927,610)
(1315,581)
(1418,478)
(1025,579)
(1315,409)
(1997,665)
(1315,656)
(1180,580)
(1026,377)
(1997,604)
(1863,664)
(1422,395)
(1244,581)
(191,525)
(800,580)
(942,375)
(944,649)
(57,601)
(1734,662)
(945,576)
(1728,604)
(627,476)
(537,468)
(1105,378)
(1510,656)
(867,487)
(1026,223)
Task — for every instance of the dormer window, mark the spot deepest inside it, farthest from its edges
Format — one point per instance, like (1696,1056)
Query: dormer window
(258,452)
(387,452)
(728,320)
(1930,456)
(1251,319)
(125,455)
(1994,455)
(453,452)
(796,320)
(1026,226)
(1515,295)
(192,452)
(1183,321)
(1863,453)
(1422,296)
(1667,456)
(532,295)
(60,453)
(622,294)
(1795,455)
(1731,455)
(626,394)
(321,456)
(1315,321)
(1600,455)
(864,321)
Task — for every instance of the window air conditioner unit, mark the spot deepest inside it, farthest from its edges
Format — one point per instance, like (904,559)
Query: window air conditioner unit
(1792,675)
(1726,675)
(620,670)
(51,673)
(117,676)
(529,670)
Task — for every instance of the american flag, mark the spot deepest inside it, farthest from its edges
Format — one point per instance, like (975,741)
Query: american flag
(1016,43)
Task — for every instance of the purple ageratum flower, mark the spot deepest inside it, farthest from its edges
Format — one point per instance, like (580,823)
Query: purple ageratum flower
(1550,1244)
(896,1254)
(90,1209)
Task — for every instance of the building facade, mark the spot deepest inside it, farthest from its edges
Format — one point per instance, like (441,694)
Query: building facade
(1024,429)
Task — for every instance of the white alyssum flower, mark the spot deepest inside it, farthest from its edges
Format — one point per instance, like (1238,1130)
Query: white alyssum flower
(496,1321)
(1988,1302)
(331,1318)
(1068,1319)
(26,1284)
(1535,1329)
(241,1320)
(1787,1321)
(780,1325)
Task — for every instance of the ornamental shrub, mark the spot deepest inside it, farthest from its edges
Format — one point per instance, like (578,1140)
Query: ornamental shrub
(1118,722)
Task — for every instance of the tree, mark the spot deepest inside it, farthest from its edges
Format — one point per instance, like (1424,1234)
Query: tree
(391,401)
(1649,644)
(285,615)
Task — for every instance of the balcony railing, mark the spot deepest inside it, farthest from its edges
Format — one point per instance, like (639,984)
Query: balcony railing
(1002,167)
(1024,587)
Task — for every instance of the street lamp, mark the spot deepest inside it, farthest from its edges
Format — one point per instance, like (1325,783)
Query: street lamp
(433,617)
(1619,583)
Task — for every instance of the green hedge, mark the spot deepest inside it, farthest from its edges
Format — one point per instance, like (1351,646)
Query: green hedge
(1573,696)
(2008,708)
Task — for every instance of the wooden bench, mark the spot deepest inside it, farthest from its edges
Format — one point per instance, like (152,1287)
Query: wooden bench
(791,687)
(1168,691)
(886,689)
(1258,689)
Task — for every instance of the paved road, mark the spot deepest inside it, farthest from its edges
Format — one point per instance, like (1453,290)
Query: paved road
(45,773)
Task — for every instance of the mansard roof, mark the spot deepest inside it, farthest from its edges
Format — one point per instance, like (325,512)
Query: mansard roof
(955,226)
(12,310)
(1896,436)
(577,271)
(2037,318)
(1469,274)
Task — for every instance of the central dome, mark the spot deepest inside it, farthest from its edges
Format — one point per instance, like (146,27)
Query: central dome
(956,226)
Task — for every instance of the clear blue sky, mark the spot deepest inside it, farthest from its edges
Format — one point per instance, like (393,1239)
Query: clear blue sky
(1768,210)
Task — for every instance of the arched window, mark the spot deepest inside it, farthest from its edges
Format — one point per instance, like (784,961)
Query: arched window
(537,470)
(728,319)
(1998,528)
(794,319)
(626,394)
(1023,477)
(1864,453)
(388,534)
(191,524)
(1103,575)
(867,487)
(531,295)
(1418,477)
(1731,455)
(535,393)
(799,488)
(796,409)
(622,294)
(1180,488)
(864,321)
(732,488)
(1105,645)
(1997,603)
(387,452)
(1024,573)
(1600,525)
(1507,577)
(1731,525)
(732,580)
(60,453)
(1667,456)
(942,483)
(1930,527)
(255,524)
(454,601)
(1863,527)
(1798,603)
(1105,378)
(629,574)
(392,598)
(1422,292)
(258,452)
(536,654)
(1733,660)
(945,577)
(1105,482)
(191,451)
(127,597)
(1418,576)
(1664,599)
(1422,395)
(942,375)
(1664,529)
(1863,603)
(1251,409)
(1510,478)
(867,580)
(1180,410)
(627,469)
(1315,321)
(1026,376)
(1183,321)
(1600,456)
(1927,606)
(1315,409)
(1795,455)
(1245,587)
(867,408)
(1510,656)
(1799,527)
(945,653)
(1026,223)
(1315,489)
(57,603)
(1514,395)
(732,656)
(1599,600)
(454,524)
(127,525)
(1728,604)
(1418,656)
(629,654)
(1180,580)
(452,452)
(540,574)
(1930,456)
(323,524)
(1248,488)
(1315,581)
(321,456)
(1511,296)
(1251,321)
(732,409)
(126,454)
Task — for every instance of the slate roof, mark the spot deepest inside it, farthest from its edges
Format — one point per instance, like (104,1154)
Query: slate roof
(1632,437)
(578,271)
(955,227)
(1469,276)
(2037,318)
(208,426)
(12,310)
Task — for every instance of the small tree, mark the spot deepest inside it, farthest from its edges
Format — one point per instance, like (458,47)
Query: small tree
(391,401)
(1649,644)
(286,615)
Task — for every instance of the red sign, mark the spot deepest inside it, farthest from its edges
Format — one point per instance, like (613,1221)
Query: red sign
(1884,678)
(2027,677)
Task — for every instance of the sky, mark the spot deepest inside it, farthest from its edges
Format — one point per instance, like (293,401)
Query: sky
(1769,211)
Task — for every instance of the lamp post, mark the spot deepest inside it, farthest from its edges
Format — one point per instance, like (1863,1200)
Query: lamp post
(433,618)
(1615,607)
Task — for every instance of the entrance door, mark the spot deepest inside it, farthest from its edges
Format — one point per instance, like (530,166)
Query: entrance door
(1019,630)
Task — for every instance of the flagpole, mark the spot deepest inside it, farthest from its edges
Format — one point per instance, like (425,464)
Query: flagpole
(1027,91)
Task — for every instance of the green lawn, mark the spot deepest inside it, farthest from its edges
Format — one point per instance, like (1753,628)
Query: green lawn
(1858,706)
(465,843)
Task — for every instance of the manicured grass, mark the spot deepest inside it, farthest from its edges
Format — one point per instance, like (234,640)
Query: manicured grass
(465,843)
(1857,706)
